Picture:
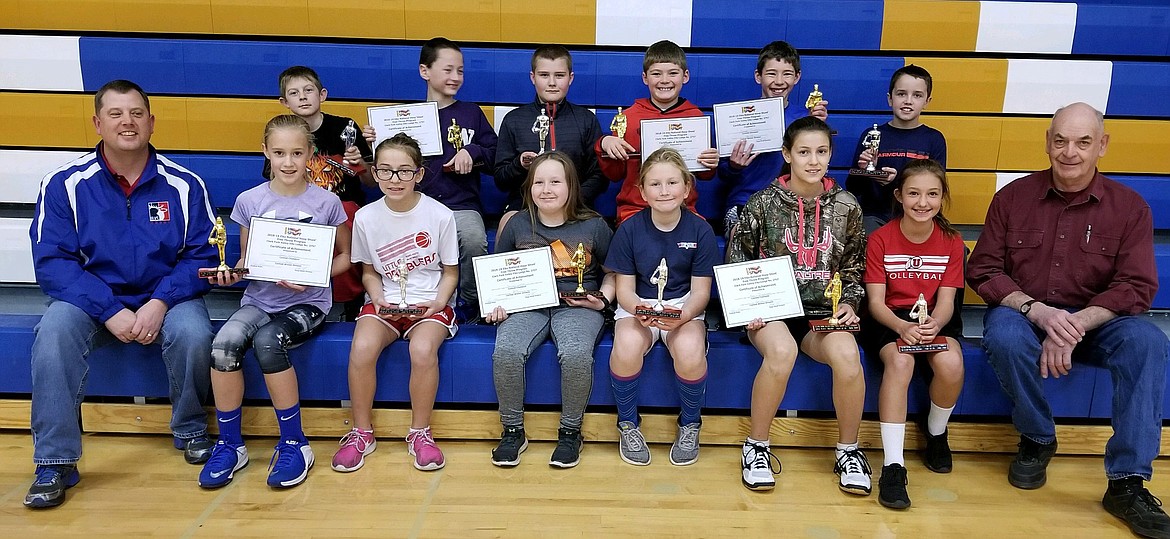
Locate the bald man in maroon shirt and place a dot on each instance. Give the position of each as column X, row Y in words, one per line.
column 1066, row 264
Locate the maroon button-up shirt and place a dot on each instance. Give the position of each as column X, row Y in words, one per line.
column 1095, row 248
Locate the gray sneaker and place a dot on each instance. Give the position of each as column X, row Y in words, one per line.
column 686, row 446
column 632, row 446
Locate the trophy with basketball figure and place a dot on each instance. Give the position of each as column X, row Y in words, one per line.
column 920, row 314
column 580, row 260
column 218, row 238
column 400, row 275
column 872, row 143
column 659, row 309
column 833, row 293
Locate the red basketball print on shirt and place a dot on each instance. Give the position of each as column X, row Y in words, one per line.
column 422, row 239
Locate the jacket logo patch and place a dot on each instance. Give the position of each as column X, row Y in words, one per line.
column 160, row 212
column 688, row 245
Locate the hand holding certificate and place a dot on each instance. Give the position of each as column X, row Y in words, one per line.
column 690, row 136
column 419, row 120
column 516, row 280
column 758, row 122
column 291, row 251
column 764, row 289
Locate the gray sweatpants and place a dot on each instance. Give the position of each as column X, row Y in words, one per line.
column 575, row 331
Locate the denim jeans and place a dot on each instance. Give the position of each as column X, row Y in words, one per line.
column 62, row 343
column 469, row 230
column 1134, row 351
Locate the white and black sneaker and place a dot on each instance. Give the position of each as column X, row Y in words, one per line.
column 759, row 465
column 854, row 470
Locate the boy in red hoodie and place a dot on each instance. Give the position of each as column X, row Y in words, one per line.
column 664, row 70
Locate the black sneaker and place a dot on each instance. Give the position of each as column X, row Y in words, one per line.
column 937, row 456
column 892, row 487
column 196, row 450
column 512, row 443
column 48, row 489
column 1030, row 468
column 568, row 451
column 1128, row 500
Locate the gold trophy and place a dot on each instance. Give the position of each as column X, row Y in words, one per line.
column 218, row 238
column 400, row 275
column 814, row 98
column 540, row 127
column 872, row 141
column 618, row 125
column 660, row 310
column 833, row 294
column 920, row 312
column 580, row 260
column 455, row 137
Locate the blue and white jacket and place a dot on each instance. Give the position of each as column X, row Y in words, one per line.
column 102, row 250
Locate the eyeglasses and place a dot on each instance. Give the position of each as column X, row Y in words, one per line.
column 404, row 175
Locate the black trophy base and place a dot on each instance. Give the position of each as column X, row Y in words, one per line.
column 825, row 326
column 939, row 344
column 666, row 312
column 877, row 174
column 581, row 295
column 409, row 310
column 212, row 272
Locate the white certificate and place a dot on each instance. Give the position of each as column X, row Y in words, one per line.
column 690, row 136
column 760, row 122
column 300, row 253
column 516, row 280
column 764, row 289
column 419, row 120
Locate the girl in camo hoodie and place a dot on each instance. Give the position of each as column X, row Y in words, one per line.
column 809, row 217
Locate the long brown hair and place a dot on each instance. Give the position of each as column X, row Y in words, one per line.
column 932, row 167
column 575, row 209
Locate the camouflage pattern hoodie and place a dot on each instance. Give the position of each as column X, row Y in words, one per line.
column 822, row 235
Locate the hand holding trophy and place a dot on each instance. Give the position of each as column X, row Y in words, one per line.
column 400, row 275
column 872, row 143
column 814, row 98
column 580, row 261
column 920, row 313
column 660, row 309
column 833, row 293
column 618, row 126
column 218, row 238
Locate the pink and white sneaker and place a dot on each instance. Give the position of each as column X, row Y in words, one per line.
column 355, row 445
column 421, row 445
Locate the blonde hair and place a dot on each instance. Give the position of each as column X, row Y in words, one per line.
column 289, row 121
column 668, row 156
column 575, row 208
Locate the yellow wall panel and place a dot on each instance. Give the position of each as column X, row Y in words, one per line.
column 459, row 20
column 930, row 25
column 170, row 123
column 63, row 14
column 359, row 18
column 263, row 17
column 972, row 142
column 186, row 16
column 971, row 193
column 969, row 295
column 567, row 22
column 46, row 120
column 1022, row 144
column 965, row 84
column 229, row 124
column 1137, row 146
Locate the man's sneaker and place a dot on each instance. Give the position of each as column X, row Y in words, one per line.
column 290, row 464
column 195, row 450
column 758, row 466
column 512, row 443
column 1129, row 500
column 48, row 489
column 632, row 445
column 686, row 445
column 937, row 456
column 226, row 459
column 355, row 445
column 892, row 487
column 421, row 446
column 1030, row 468
column 568, row 451
column 855, row 472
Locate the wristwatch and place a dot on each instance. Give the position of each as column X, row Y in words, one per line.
column 1026, row 307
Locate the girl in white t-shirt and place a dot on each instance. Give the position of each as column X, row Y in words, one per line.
column 407, row 246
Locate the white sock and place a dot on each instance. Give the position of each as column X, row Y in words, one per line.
column 764, row 443
column 841, row 448
column 936, row 420
column 893, row 436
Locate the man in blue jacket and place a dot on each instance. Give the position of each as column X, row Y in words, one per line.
column 117, row 241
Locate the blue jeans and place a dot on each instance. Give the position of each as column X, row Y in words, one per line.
column 63, row 340
column 1134, row 351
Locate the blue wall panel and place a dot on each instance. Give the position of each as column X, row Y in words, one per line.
column 843, row 25
column 1123, row 29
column 1135, row 87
